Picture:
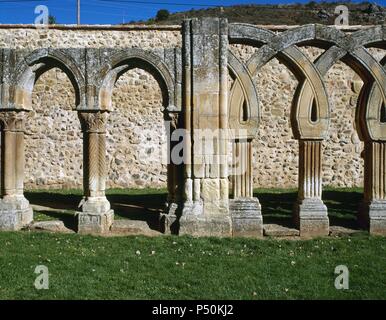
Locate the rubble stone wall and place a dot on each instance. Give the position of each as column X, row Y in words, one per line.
column 136, row 130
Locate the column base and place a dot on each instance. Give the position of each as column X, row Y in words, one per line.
column 96, row 216
column 195, row 223
column 247, row 220
column 169, row 220
column 372, row 216
column 15, row 213
column 311, row 218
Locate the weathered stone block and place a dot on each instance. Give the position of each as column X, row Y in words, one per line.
column 205, row 225
column 311, row 218
column 99, row 223
column 51, row 226
column 96, row 216
column 15, row 213
column 372, row 216
column 210, row 190
column 247, row 220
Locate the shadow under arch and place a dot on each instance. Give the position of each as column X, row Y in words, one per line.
column 146, row 207
column 28, row 72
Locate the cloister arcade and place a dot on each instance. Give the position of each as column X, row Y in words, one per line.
column 196, row 97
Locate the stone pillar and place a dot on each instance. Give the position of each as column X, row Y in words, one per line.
column 15, row 211
column 372, row 213
column 310, row 212
column 96, row 216
column 174, row 179
column 245, row 209
column 205, row 210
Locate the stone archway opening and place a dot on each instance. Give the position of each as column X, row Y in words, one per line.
column 343, row 162
column 275, row 148
column 53, row 152
column 136, row 150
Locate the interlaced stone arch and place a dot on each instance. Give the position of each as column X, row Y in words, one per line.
column 349, row 49
column 305, row 98
column 243, row 91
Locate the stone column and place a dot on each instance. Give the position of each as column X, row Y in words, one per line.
column 96, row 216
column 15, row 211
column 173, row 179
column 206, row 208
column 372, row 213
column 310, row 212
column 245, row 209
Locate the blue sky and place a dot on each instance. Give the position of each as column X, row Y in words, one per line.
column 110, row 11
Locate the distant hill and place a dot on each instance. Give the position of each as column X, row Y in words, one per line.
column 364, row 13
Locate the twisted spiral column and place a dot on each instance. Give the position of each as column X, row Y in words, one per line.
column 96, row 215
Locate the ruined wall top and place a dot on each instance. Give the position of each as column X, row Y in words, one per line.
column 173, row 27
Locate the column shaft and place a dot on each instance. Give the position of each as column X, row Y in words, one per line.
column 310, row 212
column 373, row 209
column 15, row 211
column 96, row 215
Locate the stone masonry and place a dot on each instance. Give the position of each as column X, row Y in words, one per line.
column 95, row 106
column 137, row 97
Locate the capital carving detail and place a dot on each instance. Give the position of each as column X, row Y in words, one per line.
column 13, row 120
column 93, row 122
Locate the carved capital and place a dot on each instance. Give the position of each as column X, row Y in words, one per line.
column 13, row 120
column 173, row 117
column 93, row 122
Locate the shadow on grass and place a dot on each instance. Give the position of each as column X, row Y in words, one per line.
column 68, row 219
column 277, row 207
column 55, row 200
column 342, row 205
column 143, row 207
column 132, row 206
column 147, row 205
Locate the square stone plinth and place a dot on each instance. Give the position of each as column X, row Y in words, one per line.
column 96, row 216
column 311, row 218
column 372, row 216
column 15, row 213
column 247, row 220
column 95, row 223
column 198, row 225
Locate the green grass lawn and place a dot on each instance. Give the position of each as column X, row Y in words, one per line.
column 86, row 267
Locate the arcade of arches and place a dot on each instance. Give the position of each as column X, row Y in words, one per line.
column 211, row 110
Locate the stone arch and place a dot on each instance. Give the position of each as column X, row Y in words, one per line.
column 311, row 92
column 136, row 58
column 39, row 62
column 243, row 91
column 310, row 112
column 370, row 102
column 350, row 49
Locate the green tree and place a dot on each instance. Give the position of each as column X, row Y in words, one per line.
column 162, row 15
column 311, row 4
column 51, row 19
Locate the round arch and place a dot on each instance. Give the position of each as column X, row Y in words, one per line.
column 136, row 58
column 36, row 64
